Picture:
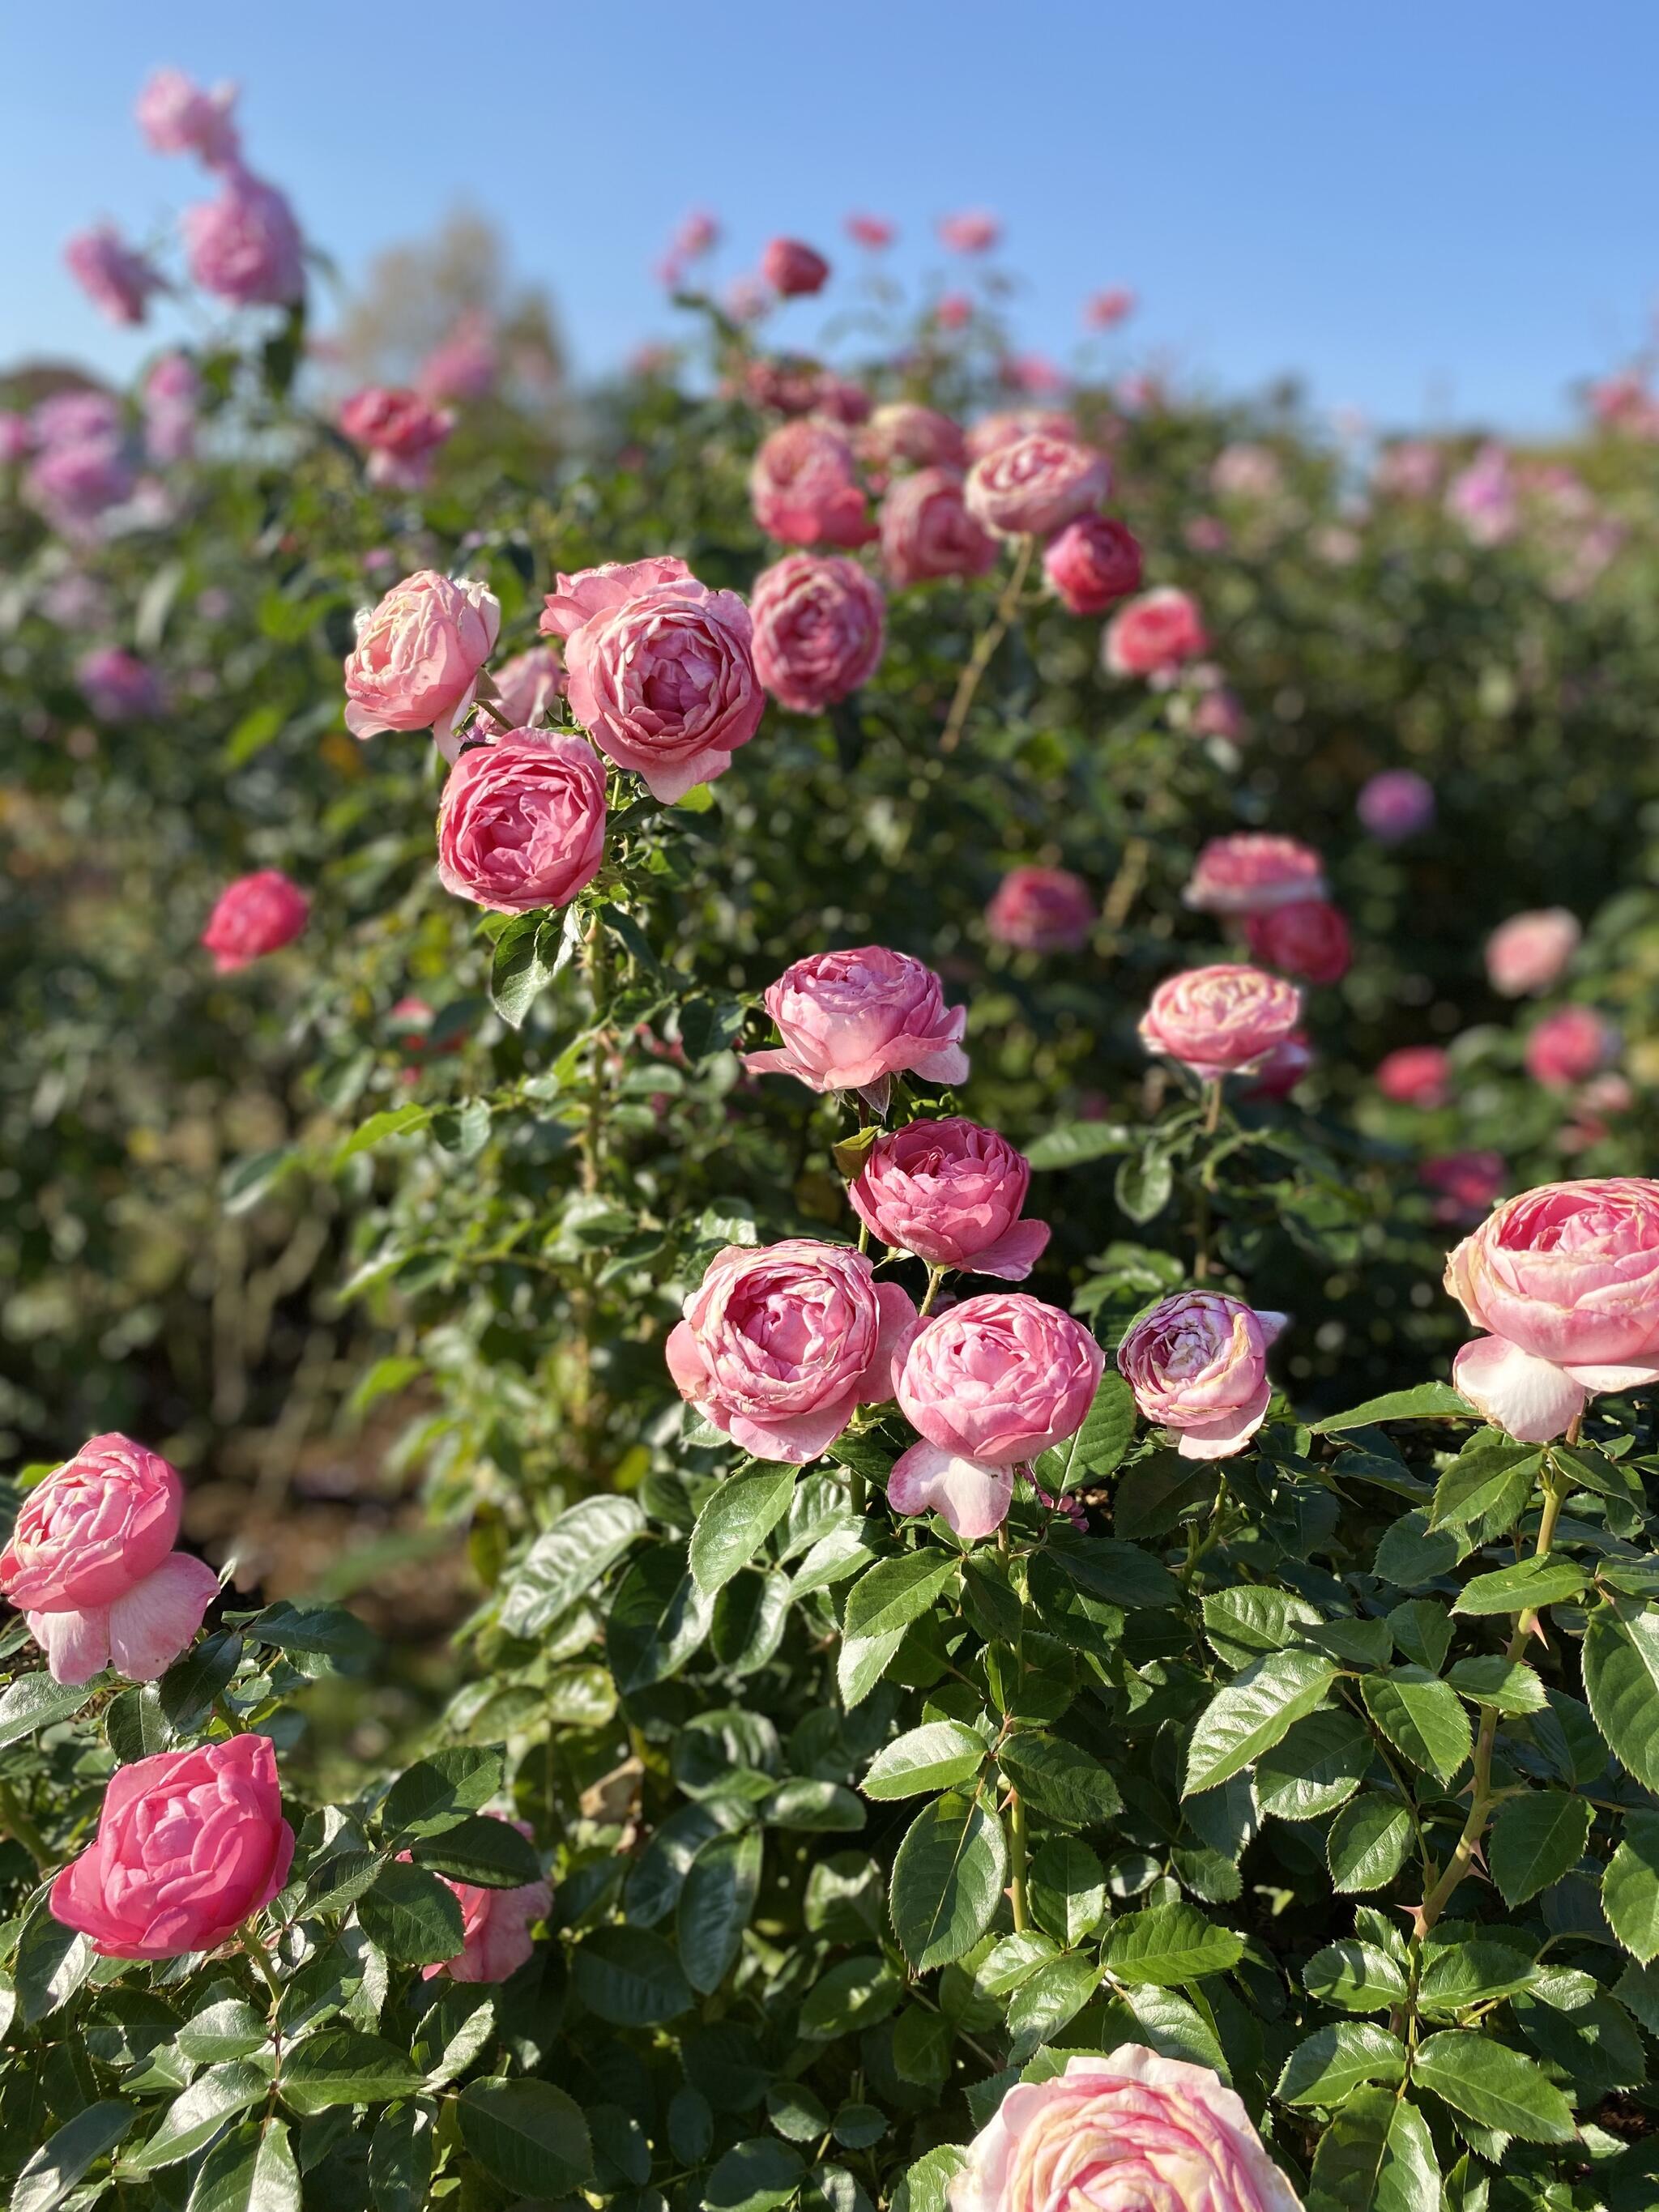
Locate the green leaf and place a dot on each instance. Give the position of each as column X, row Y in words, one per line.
column 1042, row 2006
column 528, row 2136
column 328, row 1630
column 1169, row 1944
column 1630, row 1888
column 658, row 1618
column 1074, row 1143
column 1356, row 1976
column 197, row 2116
column 1621, row 1682
column 344, row 2066
column 491, row 1854
column 931, row 1757
column 1068, row 1889
column 34, row 1702
column 740, row 1515
column 1535, row 1840
column 1318, row 1766
column 413, row 1918
column 1334, row 2061
column 1464, row 1971
column 567, row 1562
column 245, row 1182
column 51, row 1963
column 186, row 1692
column 1067, row 1784
column 948, row 1878
column 715, row 1902
column 1486, row 1488
column 1253, row 1714
column 1528, row 1584
column 394, row 1121
column 1493, row 2086
column 754, row 2176
column 1143, row 1183
column 400, row 2157
column 1099, row 1446
column 1113, row 1570
column 853, row 1995
column 54, row 2169
column 230, row 2029
column 1421, row 1717
column 812, row 1808
column 1507, row 1685
column 1411, row 1555
column 880, row 1606
column 523, row 965
column 252, row 2169
column 441, row 1790
column 1429, row 1401
column 1368, row 1842
column 1376, row 2155
column 1244, row 1622
column 629, row 1978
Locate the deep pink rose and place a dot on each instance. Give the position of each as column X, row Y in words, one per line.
column 1395, row 804
column 116, row 279
column 1307, row 938
column 189, row 1844
column 1416, row 1075
column 851, row 1021
column 1570, row 1046
column 871, row 230
column 391, row 420
column 1153, row 634
column 1220, row 1021
column 1093, row 562
column 951, row 1193
column 973, row 232
column 1465, row 1184
column 804, row 489
column 1104, row 311
column 178, row 117
column 117, row 685
column 1250, row 871
column 993, row 432
column 926, row 530
column 1036, row 486
column 246, row 246
column 415, row 664
column 521, row 822
column 256, row 914
column 1127, row 2132
column 660, row 669
column 782, row 1344
column 1526, row 953
column 1042, row 910
column 1197, row 1363
column 792, row 268
column 903, row 430
column 496, row 1923
column 1279, row 1073
column 1566, row 1280
column 820, row 624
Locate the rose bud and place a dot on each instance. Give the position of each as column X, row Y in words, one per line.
column 398, row 429
column 1281, row 1071
column 804, row 490
column 820, row 624
column 1153, row 634
column 793, row 269
column 246, row 246
column 1250, row 871
column 521, row 822
column 951, row 1193
column 1093, row 562
column 1036, row 486
column 1395, row 804
column 256, row 914
column 497, row 1923
column 874, row 231
column 415, row 664
column 1307, row 938
column 1530, row 951
column 974, row 233
column 851, row 1021
column 1416, row 1075
column 1569, row 1047
column 1220, row 1021
column 1197, row 1363
column 1042, row 910
column 926, row 530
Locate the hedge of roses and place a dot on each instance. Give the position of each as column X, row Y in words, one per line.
column 845, row 1040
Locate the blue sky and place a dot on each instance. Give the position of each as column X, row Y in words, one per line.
column 1439, row 213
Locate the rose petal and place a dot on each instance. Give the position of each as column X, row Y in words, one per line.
column 974, row 1498
column 154, row 1623
column 1532, row 1400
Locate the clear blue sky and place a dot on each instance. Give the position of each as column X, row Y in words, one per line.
column 1433, row 211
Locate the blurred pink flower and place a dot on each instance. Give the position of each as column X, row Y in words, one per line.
column 874, row 231
column 115, row 277
column 177, row 116
column 971, row 232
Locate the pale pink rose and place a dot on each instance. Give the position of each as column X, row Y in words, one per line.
column 927, row 531
column 391, row 421
column 415, row 664
column 1042, row 910
column 1036, row 486
column 1153, row 634
column 1566, row 1280
column 1220, row 1021
column 1093, row 562
column 1032, row 373
column 1252, row 871
column 1197, row 1363
column 521, row 822
column 694, row 235
column 951, row 1193
column 1127, row 2132
column 172, row 390
column 117, row 685
column 974, row 233
column 1217, row 712
column 1485, row 497
column 804, row 489
column 851, row 1021
column 792, row 268
column 462, row 366
column 1245, row 470
column 1104, row 311
column 660, row 669
column 1570, row 1046
column 993, row 432
column 75, row 418
column 117, row 279
column 1530, row 951
column 1395, row 804
column 189, row 1844
column 1466, row 1185
column 874, row 231
column 256, row 914
column 1416, row 1075
column 496, row 1923
column 782, row 1343
column 246, row 246
column 525, row 687
column 1307, row 938
column 820, row 625
column 903, row 430
column 1601, row 1097
column 1283, row 1068
column 180, row 117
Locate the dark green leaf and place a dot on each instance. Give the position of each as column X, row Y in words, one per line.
column 715, row 1902
column 413, row 1918
column 344, row 2066
column 932, row 1756
column 528, row 2136
column 948, row 1879
column 741, row 1513
column 48, row 2176
column 629, row 1978
column 1254, row 1713
column 1329, row 2064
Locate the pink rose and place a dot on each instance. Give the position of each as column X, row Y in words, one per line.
column 1566, row 1280
column 1251, row 871
column 172, row 390
column 256, row 914
column 851, row 1021
column 1307, row 938
column 1416, row 1075
column 1570, row 1046
column 1153, row 634
column 926, row 530
column 74, row 483
column 820, row 624
column 1395, row 804
column 1220, row 1021
column 804, row 489
column 1216, row 713
column 1197, row 1363
column 874, row 231
column 1409, row 469
column 117, row 280
column 1093, row 561
column 1282, row 1069
column 1127, row 2132
column 16, row 439
column 951, row 1193
column 1042, row 910
column 117, row 686
column 178, row 117
column 1465, row 1184
column 415, row 664
column 525, row 687
column 903, row 430
column 1526, row 953
column 661, row 670
column 246, row 246
column 1104, row 311
column 974, row 233
column 953, row 311
column 782, row 1344
column 462, row 366
column 521, row 822
column 993, row 432
column 496, row 1922
column 1036, row 486
column 189, row 1844
column 792, row 268
column 391, row 420
column 1485, row 497
column 1245, row 470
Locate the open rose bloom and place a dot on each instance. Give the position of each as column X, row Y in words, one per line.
column 1570, row 1046
column 246, row 246
column 804, row 489
column 256, row 914
column 852, row 1021
column 792, row 269
column 114, row 276
column 1042, row 910
column 1126, row 2132
column 415, row 663
column 1036, row 486
column 497, row 1924
column 951, row 1193
column 1197, row 1364
column 1417, row 1075
column 1252, row 871
column 1526, row 953
column 521, row 823
column 1307, row 938
column 903, row 430
column 1153, row 634
column 927, row 531
column 1566, row 1280
column 820, row 624
column 1220, row 1021
column 1093, row 562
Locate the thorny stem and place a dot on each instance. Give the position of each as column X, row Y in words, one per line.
column 597, row 964
column 1017, row 1861
column 253, row 1944
column 985, row 646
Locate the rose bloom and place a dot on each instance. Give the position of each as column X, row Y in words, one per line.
column 1036, row 486
column 660, row 669
column 1395, row 804
column 1416, row 1075
column 792, row 268
column 178, row 117
column 782, row 1344
column 246, row 246
column 415, row 664
column 803, row 488
column 1127, row 2132
column 1282, row 1069
column 496, row 1922
column 1566, row 1280
column 1104, row 311
column 1007, row 427
column 1093, row 561
column 820, row 624
column 954, row 310
column 851, row 1021
column 1467, row 1184
column 526, row 688
column 871, row 230
column 16, row 436
column 172, row 393
column 462, row 366
column 1570, row 1046
column 1217, row 712
column 951, row 1193
column 1252, row 871
column 1220, row 1021
column 975, row 233
column 990, row 1383
column 902, row 430
column 1153, row 634
column 1246, row 472
column 117, row 280
column 1042, row 910
column 1307, row 938
column 256, row 914
column 91, row 1566
column 521, row 822
column 1197, row 1363
column 189, row 1844
column 1526, row 953
column 392, row 420
column 926, row 530
column 1603, row 1096
column 117, row 686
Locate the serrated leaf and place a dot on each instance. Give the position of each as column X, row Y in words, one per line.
column 1486, row 1488
column 629, row 1978
column 1063, row 1783
column 1535, row 1840
column 195, row 2117
column 1428, row 1401
column 1376, row 2155
column 252, row 2169
column 1621, row 1682
column 523, row 964
column 1368, row 1842
column 526, row 2134
column 1042, row 2006
column 853, row 1994
column 53, row 2170
column 932, row 1756
column 715, row 1902
column 1334, row 2062
column 1316, row 1768
column 34, row 1702
column 741, row 1513
column 948, row 1878
column 753, row 2176
column 489, row 1853
column 1493, row 2086
column 1421, row 1717
column 413, row 1917
column 1508, row 1685
column 1355, row 1975
column 1099, row 1446
column 1253, row 1714
column 441, row 1790
column 1170, row 1944
column 658, row 1618
column 1521, row 1589
column 344, row 2066
column 1630, row 1887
